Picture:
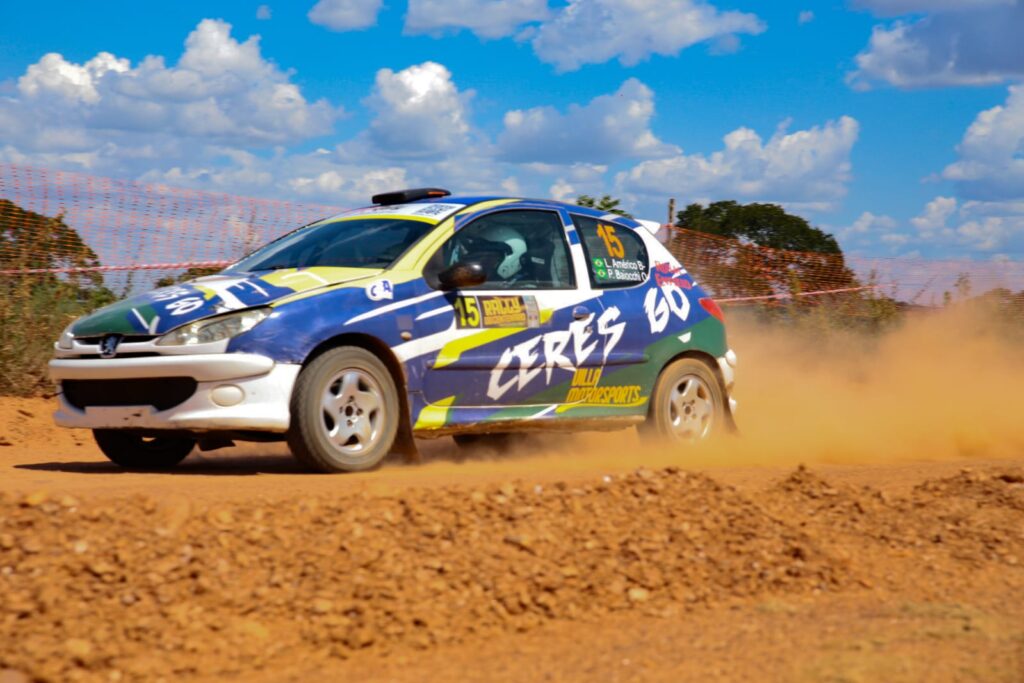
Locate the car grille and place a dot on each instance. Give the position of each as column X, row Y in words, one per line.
column 125, row 339
column 161, row 393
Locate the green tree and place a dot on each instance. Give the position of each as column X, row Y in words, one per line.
column 190, row 274
column 607, row 203
column 35, row 307
column 766, row 225
column 758, row 250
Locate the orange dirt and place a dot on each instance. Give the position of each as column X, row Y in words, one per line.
column 241, row 567
column 896, row 555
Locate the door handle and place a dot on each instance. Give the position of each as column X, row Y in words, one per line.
column 580, row 313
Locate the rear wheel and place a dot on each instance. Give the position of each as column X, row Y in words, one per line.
column 688, row 404
column 345, row 412
column 137, row 452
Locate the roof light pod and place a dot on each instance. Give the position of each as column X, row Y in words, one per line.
column 406, row 196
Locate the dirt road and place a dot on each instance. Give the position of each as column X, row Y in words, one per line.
column 588, row 559
column 897, row 554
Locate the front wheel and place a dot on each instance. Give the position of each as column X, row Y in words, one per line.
column 688, row 404
column 137, row 452
column 344, row 412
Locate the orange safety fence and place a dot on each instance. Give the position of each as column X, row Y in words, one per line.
column 127, row 235
column 60, row 222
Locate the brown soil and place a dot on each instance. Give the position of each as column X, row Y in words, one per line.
column 581, row 566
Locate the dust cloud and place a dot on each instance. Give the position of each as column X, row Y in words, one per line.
column 938, row 386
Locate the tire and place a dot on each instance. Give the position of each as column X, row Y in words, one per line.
column 344, row 412
column 687, row 405
column 135, row 452
column 499, row 442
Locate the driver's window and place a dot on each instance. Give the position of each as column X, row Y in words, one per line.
column 518, row 250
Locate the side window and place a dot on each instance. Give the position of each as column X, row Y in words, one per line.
column 616, row 257
column 521, row 249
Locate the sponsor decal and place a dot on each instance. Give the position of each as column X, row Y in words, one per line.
column 380, row 290
column 168, row 293
column 619, row 270
column 666, row 273
column 667, row 299
column 437, row 210
column 565, row 349
column 614, row 266
column 496, row 311
column 585, row 389
column 186, row 305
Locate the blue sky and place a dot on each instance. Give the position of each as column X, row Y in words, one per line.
column 896, row 124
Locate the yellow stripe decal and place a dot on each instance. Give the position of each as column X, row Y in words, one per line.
column 483, row 206
column 434, row 415
column 635, row 404
column 393, row 216
column 453, row 350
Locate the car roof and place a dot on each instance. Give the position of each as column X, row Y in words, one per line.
column 532, row 203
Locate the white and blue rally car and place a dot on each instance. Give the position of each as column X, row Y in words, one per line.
column 423, row 315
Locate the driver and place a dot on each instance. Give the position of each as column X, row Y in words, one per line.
column 498, row 247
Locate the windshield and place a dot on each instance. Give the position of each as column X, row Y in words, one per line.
column 354, row 243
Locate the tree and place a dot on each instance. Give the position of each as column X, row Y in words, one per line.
column 758, row 250
column 607, row 203
column 766, row 225
column 190, row 274
column 35, row 307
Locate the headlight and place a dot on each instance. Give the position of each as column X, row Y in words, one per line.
column 214, row 329
column 67, row 340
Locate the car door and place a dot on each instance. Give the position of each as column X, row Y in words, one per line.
column 521, row 337
column 618, row 267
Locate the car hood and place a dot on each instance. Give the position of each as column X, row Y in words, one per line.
column 164, row 309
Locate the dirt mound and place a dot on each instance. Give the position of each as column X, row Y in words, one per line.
column 173, row 588
column 1001, row 488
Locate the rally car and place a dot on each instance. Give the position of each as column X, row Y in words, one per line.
column 423, row 315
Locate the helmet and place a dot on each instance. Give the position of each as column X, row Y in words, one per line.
column 511, row 264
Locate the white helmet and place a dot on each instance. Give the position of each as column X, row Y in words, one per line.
column 512, row 263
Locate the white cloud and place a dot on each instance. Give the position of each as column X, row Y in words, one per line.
column 419, row 112
column 485, row 18
column 345, row 15
column 971, row 228
column 562, row 191
column 868, row 223
column 935, row 217
column 352, row 184
column 806, row 167
column 805, row 17
column 607, row 129
column 263, row 12
column 961, row 43
column 221, row 91
column 870, row 230
column 596, row 31
column 991, row 154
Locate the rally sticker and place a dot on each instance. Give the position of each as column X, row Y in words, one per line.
column 380, row 290
column 497, row 311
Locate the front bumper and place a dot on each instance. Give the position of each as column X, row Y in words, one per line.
column 233, row 392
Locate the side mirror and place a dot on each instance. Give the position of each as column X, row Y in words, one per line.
column 462, row 274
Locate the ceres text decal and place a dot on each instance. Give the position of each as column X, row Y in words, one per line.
column 566, row 349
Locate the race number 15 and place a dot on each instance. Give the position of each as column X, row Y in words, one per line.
column 468, row 311
column 612, row 244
